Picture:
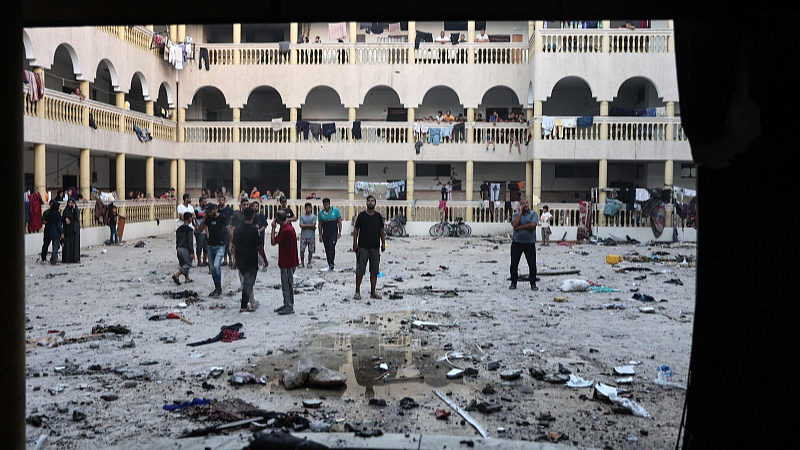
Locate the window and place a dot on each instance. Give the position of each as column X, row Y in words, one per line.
column 340, row 169
column 688, row 171
column 576, row 170
column 462, row 26
column 433, row 170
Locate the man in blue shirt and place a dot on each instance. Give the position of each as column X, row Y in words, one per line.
column 523, row 241
column 330, row 229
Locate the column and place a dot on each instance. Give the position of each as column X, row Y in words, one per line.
column 669, row 174
column 39, row 170
column 604, row 126
column 470, row 39
column 351, row 116
column 173, row 32
column 411, row 120
column 537, row 126
column 173, row 173
column 40, row 106
column 149, row 183
column 529, row 183
column 85, row 109
column 605, row 42
column 237, row 181
column 293, row 188
column 410, row 168
column 149, row 107
column 237, row 39
column 119, row 98
column 121, row 180
column 181, row 188
column 671, row 43
column 671, row 127
column 602, row 182
column 470, row 120
column 181, row 37
column 293, row 130
column 85, row 178
column 237, row 114
column 412, row 33
column 351, row 181
column 536, row 189
column 468, row 187
column 292, row 39
column 180, row 135
column 538, row 39
column 351, row 35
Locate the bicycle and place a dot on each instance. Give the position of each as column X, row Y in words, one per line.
column 397, row 227
column 444, row 228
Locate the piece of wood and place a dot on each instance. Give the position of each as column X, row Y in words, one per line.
column 463, row 414
column 560, row 272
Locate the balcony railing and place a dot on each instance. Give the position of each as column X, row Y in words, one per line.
column 605, row 41
column 641, row 129
column 135, row 211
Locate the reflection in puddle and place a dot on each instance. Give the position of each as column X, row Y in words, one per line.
column 357, row 347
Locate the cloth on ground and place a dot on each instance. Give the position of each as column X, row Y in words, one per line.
column 228, row 333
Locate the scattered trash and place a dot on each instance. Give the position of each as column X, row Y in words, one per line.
column 609, row 393
column 647, row 310
column 625, row 370
column 578, row 382
column 312, row 403
column 442, row 414
column 228, row 333
column 559, row 299
column 463, row 414
column 574, row 285
column 455, row 373
column 509, row 375
column 241, row 378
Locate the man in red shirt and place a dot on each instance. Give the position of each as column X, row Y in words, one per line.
column 286, row 240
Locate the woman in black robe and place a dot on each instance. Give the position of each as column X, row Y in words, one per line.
column 71, row 218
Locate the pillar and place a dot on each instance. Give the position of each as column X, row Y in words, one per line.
column 237, row 39
column 529, row 183
column 351, row 116
column 292, row 38
column 39, row 170
column 181, row 36
column 85, row 109
column 537, row 126
column 605, row 40
column 293, row 188
column 119, row 101
column 173, row 32
column 121, row 180
column 237, row 114
column 538, row 39
column 604, row 125
column 149, row 108
column 351, row 181
column 670, row 106
column 411, row 120
column 173, row 173
column 85, row 178
column 180, row 135
column 468, row 188
column 410, row 168
column 237, row 180
column 412, row 32
column 293, row 130
column 470, row 39
column 602, row 182
column 471, row 120
column 536, row 189
column 669, row 174
column 40, row 106
column 671, row 43
column 180, row 189
column 149, row 183
column 351, row 35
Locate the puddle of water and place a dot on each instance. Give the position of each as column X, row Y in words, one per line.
column 366, row 342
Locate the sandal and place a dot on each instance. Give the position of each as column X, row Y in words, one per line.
column 188, row 281
column 375, row 296
column 176, row 280
column 357, row 296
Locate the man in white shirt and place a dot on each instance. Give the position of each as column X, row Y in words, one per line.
column 544, row 224
column 482, row 37
column 186, row 206
column 442, row 39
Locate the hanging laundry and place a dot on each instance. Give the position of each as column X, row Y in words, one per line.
column 548, row 123
column 316, row 130
column 422, row 36
column 337, row 31
column 357, row 130
column 328, row 130
column 447, row 132
column 585, row 121
column 394, row 28
column 434, row 135
column 303, row 126
column 277, row 124
column 570, row 122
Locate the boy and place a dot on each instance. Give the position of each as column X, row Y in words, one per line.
column 286, row 240
column 308, row 223
column 544, row 223
column 184, row 245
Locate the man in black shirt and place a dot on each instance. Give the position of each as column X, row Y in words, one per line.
column 216, row 227
column 184, row 246
column 290, row 216
column 369, row 240
column 246, row 248
column 224, row 209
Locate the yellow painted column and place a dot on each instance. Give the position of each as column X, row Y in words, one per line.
column 181, row 188
column 181, row 37
column 149, row 183
column 669, row 174
column 121, row 180
column 40, row 106
column 529, row 182
column 237, row 39
column 471, row 121
column 173, row 173
column 602, row 182
column 537, row 126
column 538, row 40
column 180, row 136
column 670, row 128
column 85, row 109
column 410, row 169
column 536, row 189
column 351, row 116
column 237, row 180
column 173, row 32
column 39, row 170
column 605, row 40
column 293, row 191
column 411, row 120
column 351, row 181
column 470, row 39
column 292, row 38
column 468, row 187
column 412, row 33
column 604, row 126
column 149, row 107
column 671, row 43
column 85, row 178
column 351, row 35
column 119, row 98
column 293, row 130
column 237, row 113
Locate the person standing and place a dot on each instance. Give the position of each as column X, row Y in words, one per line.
column 71, row 253
column 260, row 222
column 246, row 247
column 544, row 223
column 369, row 240
column 237, row 219
column 184, row 247
column 216, row 225
column 308, row 223
column 201, row 237
column 523, row 241
column 46, row 234
column 184, row 207
column 113, row 216
column 330, row 230
column 225, row 210
column 290, row 216
column 286, row 240
column 56, row 230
